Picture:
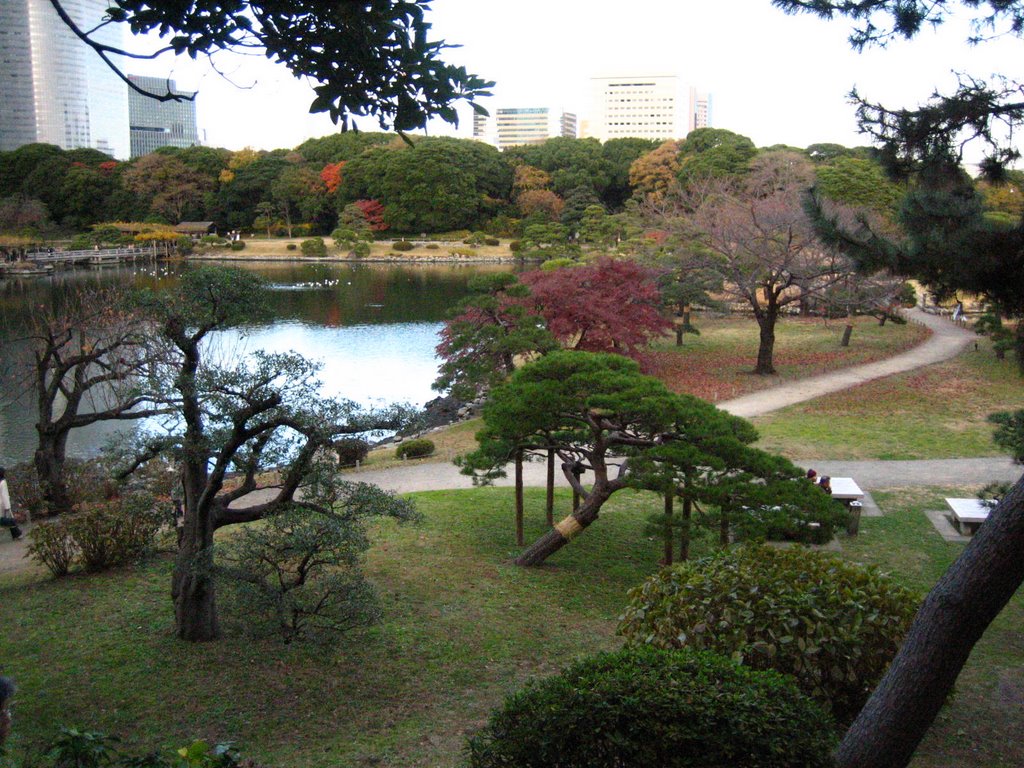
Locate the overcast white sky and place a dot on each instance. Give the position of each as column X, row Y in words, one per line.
column 774, row 78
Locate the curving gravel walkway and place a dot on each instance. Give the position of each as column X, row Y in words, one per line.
column 946, row 341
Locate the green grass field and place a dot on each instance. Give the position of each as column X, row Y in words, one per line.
column 936, row 412
column 462, row 628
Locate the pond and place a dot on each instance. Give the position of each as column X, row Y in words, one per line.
column 373, row 328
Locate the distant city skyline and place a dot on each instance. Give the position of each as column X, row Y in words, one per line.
column 774, row 78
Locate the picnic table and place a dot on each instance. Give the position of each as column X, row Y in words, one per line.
column 846, row 490
column 968, row 513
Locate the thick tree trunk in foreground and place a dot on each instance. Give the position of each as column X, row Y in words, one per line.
column 951, row 620
column 192, row 586
column 566, row 530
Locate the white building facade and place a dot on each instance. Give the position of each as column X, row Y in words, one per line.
column 700, row 110
column 635, row 106
column 54, row 89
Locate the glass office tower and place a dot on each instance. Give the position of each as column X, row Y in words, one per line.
column 54, row 89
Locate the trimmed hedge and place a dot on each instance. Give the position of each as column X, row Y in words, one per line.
column 314, row 247
column 403, row 245
column 833, row 625
column 350, row 450
column 414, row 449
column 647, row 708
column 237, row 245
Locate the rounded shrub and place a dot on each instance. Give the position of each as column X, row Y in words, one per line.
column 291, row 247
column 314, row 248
column 648, row 708
column 237, row 245
column 403, row 245
column 832, row 625
column 515, row 245
column 432, row 246
column 415, row 449
column 361, row 250
column 350, row 450
column 492, row 241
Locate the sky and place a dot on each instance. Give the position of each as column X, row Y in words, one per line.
column 775, row 78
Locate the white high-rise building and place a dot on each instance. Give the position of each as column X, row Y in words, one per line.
column 700, row 110
column 54, row 89
column 531, row 125
column 640, row 106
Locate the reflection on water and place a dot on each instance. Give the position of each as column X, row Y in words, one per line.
column 372, row 327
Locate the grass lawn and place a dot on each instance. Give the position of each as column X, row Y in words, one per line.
column 717, row 364
column 463, row 627
column 936, row 412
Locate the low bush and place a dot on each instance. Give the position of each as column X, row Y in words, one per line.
column 832, row 625
column 74, row 748
column 415, row 449
column 51, row 545
column 291, row 247
column 403, row 245
column 237, row 245
column 462, row 252
column 212, row 240
column 343, row 234
column 492, row 241
column 432, row 246
column 114, row 533
column 515, row 245
column 183, row 245
column 350, row 450
column 907, row 295
column 314, row 248
column 648, row 708
column 361, row 250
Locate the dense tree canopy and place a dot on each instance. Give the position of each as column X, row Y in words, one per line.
column 370, row 58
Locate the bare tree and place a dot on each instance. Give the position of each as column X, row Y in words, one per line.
column 88, row 357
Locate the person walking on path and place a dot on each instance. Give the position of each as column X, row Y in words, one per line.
column 6, row 512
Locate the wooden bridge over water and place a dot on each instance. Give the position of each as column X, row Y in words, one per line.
column 44, row 262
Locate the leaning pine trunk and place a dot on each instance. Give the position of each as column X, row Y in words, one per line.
column 566, row 530
column 953, row 617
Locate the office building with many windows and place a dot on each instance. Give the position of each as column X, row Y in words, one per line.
column 531, row 125
column 700, row 110
column 156, row 123
column 54, row 89
column 636, row 106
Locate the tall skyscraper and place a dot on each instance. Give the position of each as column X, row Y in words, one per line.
column 53, row 88
column 532, row 125
column 700, row 110
column 156, row 123
column 640, row 106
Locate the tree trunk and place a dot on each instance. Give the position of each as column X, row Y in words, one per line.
column 550, row 501
column 766, row 347
column 684, row 531
column 951, row 620
column 847, row 333
column 192, row 588
column 565, row 531
column 519, row 498
column 669, row 510
column 49, row 463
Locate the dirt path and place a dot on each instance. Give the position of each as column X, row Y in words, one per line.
column 946, row 341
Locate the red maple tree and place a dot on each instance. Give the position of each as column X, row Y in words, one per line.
column 608, row 306
column 331, row 176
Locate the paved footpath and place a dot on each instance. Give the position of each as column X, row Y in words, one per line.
column 946, row 341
